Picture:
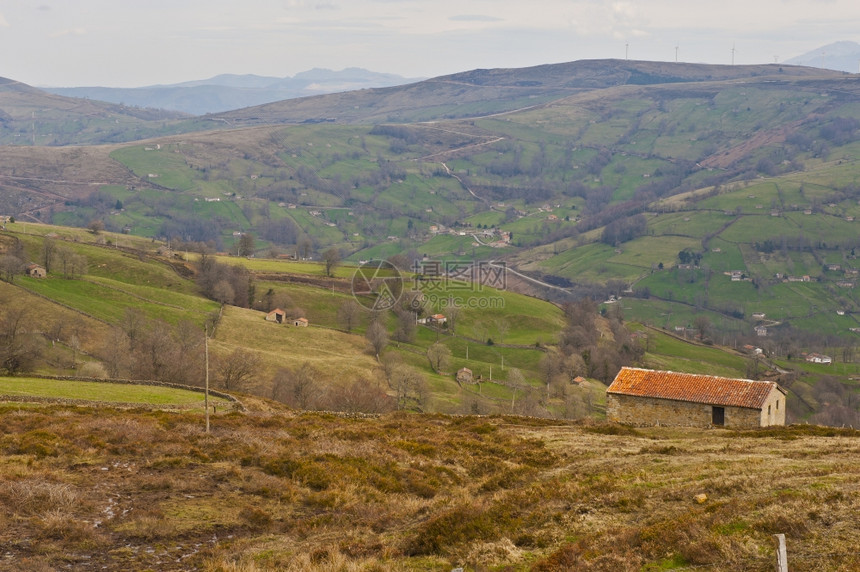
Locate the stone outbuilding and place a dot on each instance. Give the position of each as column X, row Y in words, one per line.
column 277, row 315
column 301, row 322
column 464, row 375
column 35, row 271
column 648, row 397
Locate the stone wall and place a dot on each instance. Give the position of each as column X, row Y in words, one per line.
column 773, row 411
column 651, row 411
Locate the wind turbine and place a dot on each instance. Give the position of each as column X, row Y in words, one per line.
column 676, row 53
column 733, row 53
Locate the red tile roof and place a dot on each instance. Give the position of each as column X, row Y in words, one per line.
column 693, row 387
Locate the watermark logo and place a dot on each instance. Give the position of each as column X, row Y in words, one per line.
column 451, row 276
column 377, row 285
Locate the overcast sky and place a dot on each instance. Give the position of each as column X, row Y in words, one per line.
column 125, row 43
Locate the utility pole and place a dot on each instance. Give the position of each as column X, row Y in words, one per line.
column 206, row 392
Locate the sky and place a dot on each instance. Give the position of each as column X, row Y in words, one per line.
column 125, row 43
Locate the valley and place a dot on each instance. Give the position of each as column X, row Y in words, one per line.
column 410, row 301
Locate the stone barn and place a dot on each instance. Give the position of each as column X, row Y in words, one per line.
column 276, row 315
column 649, row 397
column 35, row 271
column 464, row 375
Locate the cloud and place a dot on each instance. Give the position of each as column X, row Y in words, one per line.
column 474, row 18
column 3, row 22
column 69, row 32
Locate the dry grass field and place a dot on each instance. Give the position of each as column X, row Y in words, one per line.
column 274, row 489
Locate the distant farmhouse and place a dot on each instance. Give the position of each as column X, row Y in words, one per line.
column 819, row 358
column 35, row 271
column 464, row 375
column 648, row 397
column 276, row 315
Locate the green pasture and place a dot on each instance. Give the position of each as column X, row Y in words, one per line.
column 598, row 262
column 191, row 302
column 170, row 167
column 825, row 228
column 694, row 224
column 723, row 256
column 271, row 265
column 480, row 355
column 487, row 312
column 319, row 305
column 666, row 315
column 115, row 264
column 648, row 252
column 665, row 351
column 106, row 303
column 100, row 391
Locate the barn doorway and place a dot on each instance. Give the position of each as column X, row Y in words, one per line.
column 718, row 416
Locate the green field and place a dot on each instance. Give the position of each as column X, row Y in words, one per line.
column 106, row 392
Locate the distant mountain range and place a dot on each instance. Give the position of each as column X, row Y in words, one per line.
column 228, row 91
column 841, row 56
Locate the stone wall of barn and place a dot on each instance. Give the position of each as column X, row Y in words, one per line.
column 652, row 411
column 773, row 410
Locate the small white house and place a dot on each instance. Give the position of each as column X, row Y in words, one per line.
column 819, row 358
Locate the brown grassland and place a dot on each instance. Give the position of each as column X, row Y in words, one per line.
column 274, row 489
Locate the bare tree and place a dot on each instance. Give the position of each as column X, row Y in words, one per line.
column 516, row 382
column 133, row 324
column 237, row 368
column 361, row 396
column 348, row 314
column 703, row 324
column 49, row 247
column 96, row 226
column 297, row 387
column 247, row 244
column 453, row 313
column 573, row 366
column 72, row 264
column 19, row 348
column 115, row 352
column 502, row 328
column 223, row 292
column 305, row 245
column 409, row 385
column 377, row 335
column 406, row 326
column 439, row 356
column 331, row 258
column 10, row 266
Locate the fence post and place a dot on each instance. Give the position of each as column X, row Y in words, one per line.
column 781, row 555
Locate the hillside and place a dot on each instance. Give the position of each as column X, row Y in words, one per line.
column 123, row 307
column 487, row 92
column 127, row 307
column 227, row 92
column 32, row 117
column 844, row 56
column 598, row 179
column 278, row 490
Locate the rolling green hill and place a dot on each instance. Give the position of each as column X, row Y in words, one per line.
column 597, row 186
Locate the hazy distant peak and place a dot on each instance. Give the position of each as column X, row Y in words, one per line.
column 842, row 56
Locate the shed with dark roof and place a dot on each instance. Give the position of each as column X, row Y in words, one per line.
column 650, row 397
